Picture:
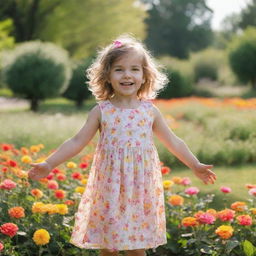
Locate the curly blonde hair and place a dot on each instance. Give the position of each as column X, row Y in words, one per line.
column 98, row 72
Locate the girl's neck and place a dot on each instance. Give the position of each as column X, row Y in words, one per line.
column 125, row 102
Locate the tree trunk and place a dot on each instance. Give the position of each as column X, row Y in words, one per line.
column 34, row 103
column 79, row 104
column 254, row 83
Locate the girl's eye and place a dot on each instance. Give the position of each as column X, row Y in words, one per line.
column 135, row 69
column 118, row 69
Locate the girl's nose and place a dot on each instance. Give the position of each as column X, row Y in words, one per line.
column 127, row 73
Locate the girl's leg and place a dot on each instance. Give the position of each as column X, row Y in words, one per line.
column 105, row 252
column 140, row 252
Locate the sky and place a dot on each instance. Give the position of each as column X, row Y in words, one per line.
column 222, row 8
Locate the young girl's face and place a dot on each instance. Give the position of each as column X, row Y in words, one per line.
column 126, row 74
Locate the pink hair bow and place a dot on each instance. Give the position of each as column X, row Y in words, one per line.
column 117, row 44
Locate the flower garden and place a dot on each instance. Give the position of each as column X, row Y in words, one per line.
column 37, row 216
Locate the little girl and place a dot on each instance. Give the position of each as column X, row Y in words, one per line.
column 122, row 208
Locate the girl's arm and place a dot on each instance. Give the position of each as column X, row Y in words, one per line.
column 70, row 147
column 179, row 148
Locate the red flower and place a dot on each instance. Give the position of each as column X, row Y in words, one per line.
column 61, row 176
column 165, row 170
column 244, row 220
column 9, row 229
column 8, row 184
column 6, row 147
column 50, row 176
column 12, row 163
column 77, row 176
column 60, row 194
column 1, row 247
column 69, row 202
column 56, row 171
column 4, row 169
column 83, row 165
column 52, row 184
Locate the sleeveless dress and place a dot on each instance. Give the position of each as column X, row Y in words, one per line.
column 122, row 207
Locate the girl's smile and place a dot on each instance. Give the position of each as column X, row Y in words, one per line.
column 126, row 74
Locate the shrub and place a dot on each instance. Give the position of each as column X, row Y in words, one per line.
column 37, row 71
column 178, row 86
column 77, row 89
column 242, row 56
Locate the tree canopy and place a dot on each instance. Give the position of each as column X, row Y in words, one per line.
column 79, row 26
column 177, row 27
column 248, row 15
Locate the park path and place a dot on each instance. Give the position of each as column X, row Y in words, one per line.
column 12, row 103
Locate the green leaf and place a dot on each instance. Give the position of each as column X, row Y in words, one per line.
column 168, row 235
column 30, row 198
column 248, row 248
column 231, row 244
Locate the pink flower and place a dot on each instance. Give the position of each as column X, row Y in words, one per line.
column 226, row 215
column 252, row 192
column 186, row 181
column 225, row 190
column 9, row 229
column 8, row 184
column 244, row 220
column 192, row 191
column 1, row 247
column 52, row 184
column 206, row 218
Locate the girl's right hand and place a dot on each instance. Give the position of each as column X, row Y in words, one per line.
column 39, row 171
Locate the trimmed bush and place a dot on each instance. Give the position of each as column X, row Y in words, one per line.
column 77, row 89
column 178, row 86
column 37, row 71
column 242, row 56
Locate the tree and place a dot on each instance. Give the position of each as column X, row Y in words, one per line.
column 242, row 56
column 37, row 71
column 78, row 26
column 177, row 27
column 248, row 15
column 6, row 41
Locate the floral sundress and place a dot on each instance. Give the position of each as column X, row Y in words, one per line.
column 122, row 207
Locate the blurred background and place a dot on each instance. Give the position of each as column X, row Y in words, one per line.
column 207, row 46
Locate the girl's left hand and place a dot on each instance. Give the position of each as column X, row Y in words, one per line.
column 204, row 173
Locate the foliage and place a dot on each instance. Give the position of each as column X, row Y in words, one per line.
column 248, row 17
column 77, row 89
column 242, row 56
column 185, row 26
column 6, row 41
column 178, row 86
column 79, row 26
column 207, row 64
column 37, row 70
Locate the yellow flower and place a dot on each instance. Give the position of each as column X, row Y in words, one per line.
column 63, row 209
column 79, row 190
column 26, row 159
column 40, row 160
column 41, row 237
column 41, row 146
column 84, row 181
column 71, row 165
column 51, row 208
column 38, row 207
column 35, row 149
column 167, row 184
column 22, row 174
column 189, row 222
column 253, row 210
column 224, row 231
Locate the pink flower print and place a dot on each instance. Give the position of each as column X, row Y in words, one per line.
column 112, row 221
column 145, row 225
column 135, row 217
column 128, row 143
column 113, row 130
column 117, row 120
column 102, row 218
column 114, row 141
column 139, row 158
column 115, row 235
column 106, row 205
column 131, row 117
column 143, row 135
column 132, row 238
column 138, row 143
column 105, row 229
column 122, row 208
column 104, row 124
column 129, row 133
column 109, row 180
column 141, row 238
column 142, row 122
column 126, row 226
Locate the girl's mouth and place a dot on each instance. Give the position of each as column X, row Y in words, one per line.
column 126, row 84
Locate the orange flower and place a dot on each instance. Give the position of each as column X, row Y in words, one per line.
column 69, row 202
column 60, row 194
column 189, row 222
column 36, row 193
column 35, row 148
column 176, row 200
column 177, row 180
column 24, row 151
column 165, row 170
column 226, row 215
column 239, row 206
column 253, row 211
column 224, row 231
column 16, row 212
